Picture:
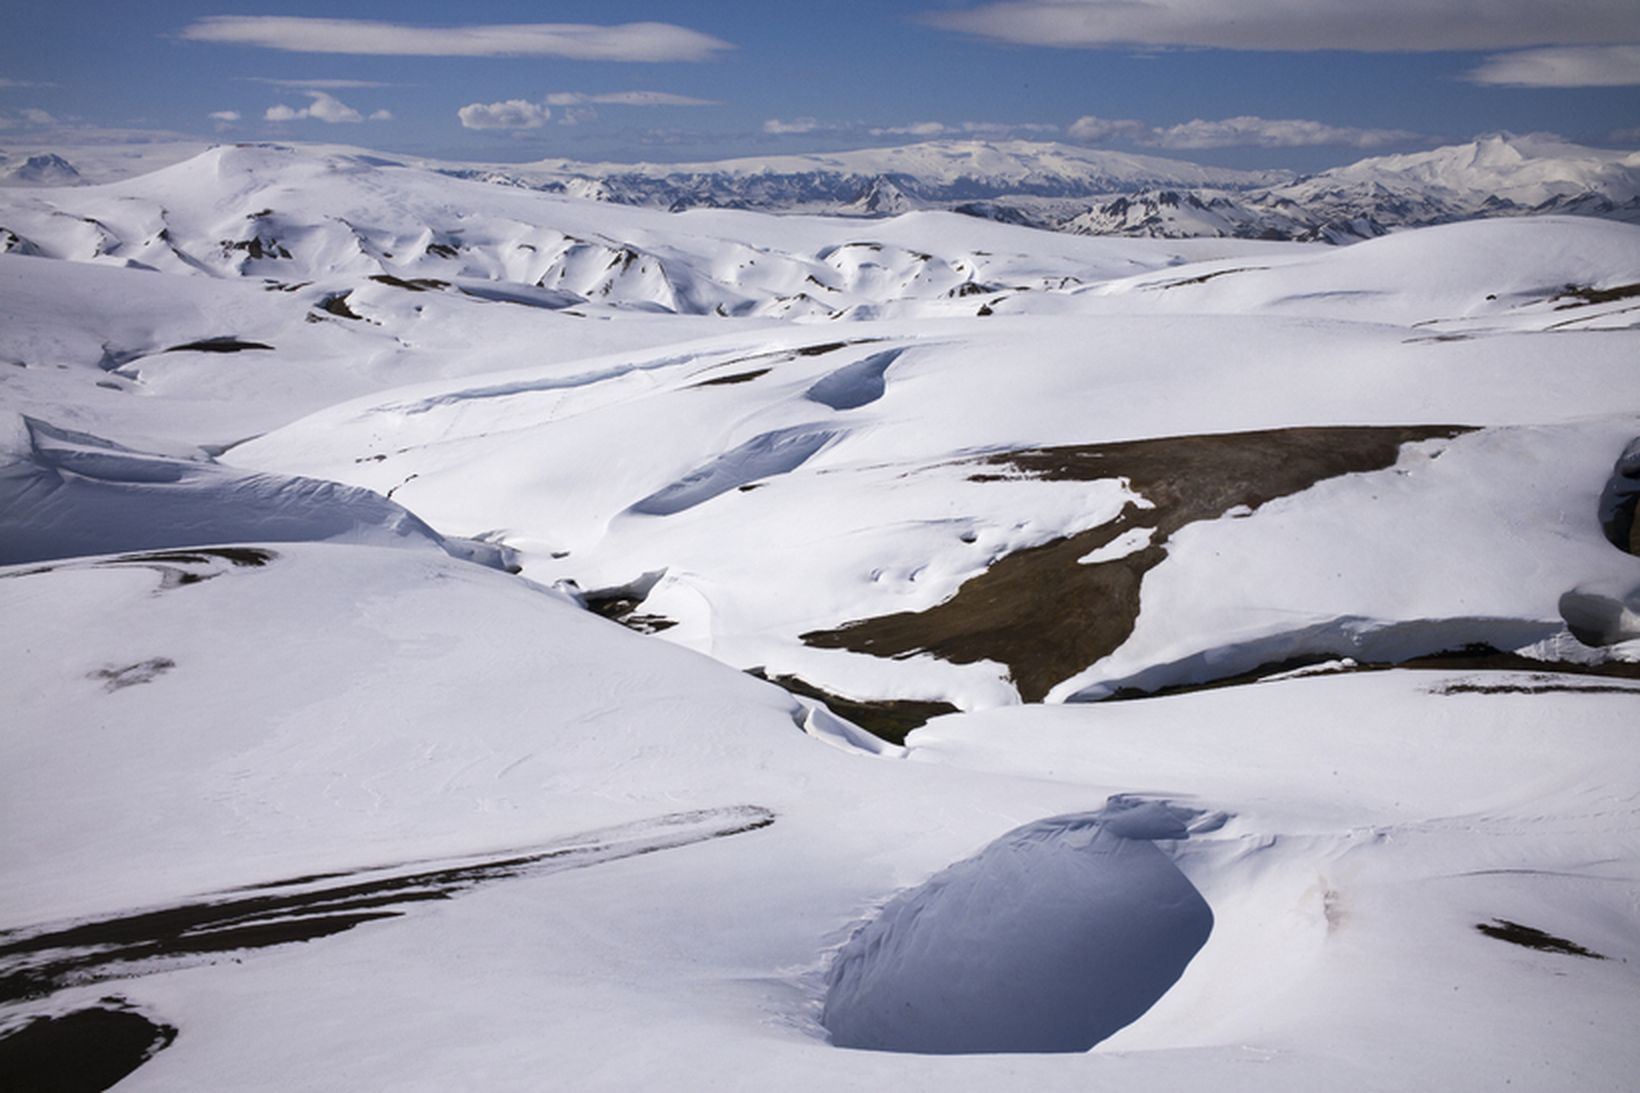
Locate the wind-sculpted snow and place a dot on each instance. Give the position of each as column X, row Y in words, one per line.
column 1050, row 939
column 854, row 385
column 65, row 494
column 1341, row 642
column 779, row 452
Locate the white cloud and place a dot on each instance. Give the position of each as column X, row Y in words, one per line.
column 323, row 107
column 626, row 98
column 1092, row 130
column 781, row 127
column 1382, row 25
column 35, row 116
column 318, row 85
column 575, row 41
column 1567, row 66
column 24, row 83
column 1244, row 131
column 511, row 114
column 228, row 116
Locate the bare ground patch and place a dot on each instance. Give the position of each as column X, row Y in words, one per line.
column 1046, row 615
column 887, row 719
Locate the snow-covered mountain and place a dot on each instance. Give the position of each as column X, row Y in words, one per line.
column 1097, row 192
column 879, row 180
column 1057, row 187
column 47, row 169
column 1493, row 176
column 464, row 635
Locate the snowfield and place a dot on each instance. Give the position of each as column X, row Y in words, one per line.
column 1049, row 661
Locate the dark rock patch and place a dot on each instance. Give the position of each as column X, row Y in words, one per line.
column 337, row 305
column 86, row 1051
column 411, row 284
column 620, row 603
column 1581, row 296
column 132, row 675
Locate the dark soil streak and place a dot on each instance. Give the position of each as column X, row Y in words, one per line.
column 1532, row 938
column 1047, row 616
column 217, row 345
column 39, row 962
column 733, row 378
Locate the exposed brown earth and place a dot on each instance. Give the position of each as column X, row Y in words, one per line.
column 887, row 719
column 1047, row 616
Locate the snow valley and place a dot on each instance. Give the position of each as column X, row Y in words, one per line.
column 712, row 628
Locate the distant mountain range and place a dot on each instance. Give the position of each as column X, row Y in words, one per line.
column 1095, row 192
column 1080, row 190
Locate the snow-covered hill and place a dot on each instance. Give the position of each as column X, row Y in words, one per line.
column 1219, row 653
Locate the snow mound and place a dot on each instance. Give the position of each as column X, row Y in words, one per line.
column 67, row 494
column 1049, row 940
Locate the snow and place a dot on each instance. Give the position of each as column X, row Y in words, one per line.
column 246, row 649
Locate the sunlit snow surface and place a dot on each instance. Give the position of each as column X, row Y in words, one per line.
column 234, row 664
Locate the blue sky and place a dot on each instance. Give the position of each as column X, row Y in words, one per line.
column 1302, row 84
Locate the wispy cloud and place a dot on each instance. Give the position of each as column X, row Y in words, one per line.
column 511, row 114
column 1564, row 66
column 24, row 83
column 1238, row 132
column 1383, row 25
column 229, row 116
column 319, row 85
column 1093, row 130
column 28, row 117
column 626, row 98
column 997, row 129
column 323, row 107
column 574, row 41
